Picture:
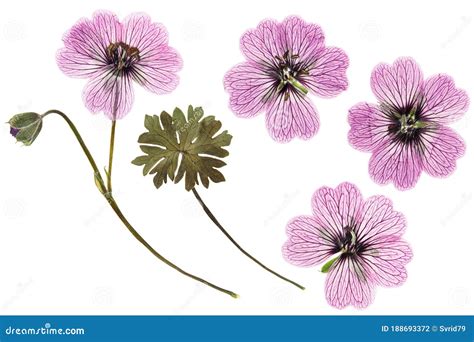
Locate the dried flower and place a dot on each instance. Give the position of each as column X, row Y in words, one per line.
column 361, row 242
column 112, row 54
column 25, row 127
column 285, row 61
column 406, row 131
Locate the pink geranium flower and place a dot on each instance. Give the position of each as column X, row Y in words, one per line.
column 112, row 54
column 284, row 62
column 406, row 130
column 360, row 240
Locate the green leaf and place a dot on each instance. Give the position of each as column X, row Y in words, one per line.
column 183, row 146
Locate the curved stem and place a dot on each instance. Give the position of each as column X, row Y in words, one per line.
column 78, row 137
column 111, row 156
column 222, row 229
column 113, row 204
column 127, row 224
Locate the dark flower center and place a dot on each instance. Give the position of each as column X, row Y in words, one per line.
column 348, row 243
column 122, row 55
column 407, row 124
column 287, row 73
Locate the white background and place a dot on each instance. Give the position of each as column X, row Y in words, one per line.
column 63, row 251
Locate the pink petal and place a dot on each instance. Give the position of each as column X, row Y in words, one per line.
column 347, row 284
column 148, row 37
column 107, row 27
column 109, row 93
column 308, row 244
column 443, row 102
column 327, row 77
column 248, row 86
column 76, row 64
column 368, row 126
column 398, row 85
column 296, row 116
column 441, row 147
column 302, row 39
column 396, row 162
column 158, row 72
column 378, row 221
column 262, row 44
column 158, row 65
column 385, row 262
column 335, row 209
column 86, row 43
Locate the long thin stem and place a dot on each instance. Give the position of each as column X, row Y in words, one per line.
column 78, row 137
column 113, row 204
column 222, row 229
column 132, row 230
column 111, row 156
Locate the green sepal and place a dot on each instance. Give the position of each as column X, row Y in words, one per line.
column 327, row 266
column 26, row 127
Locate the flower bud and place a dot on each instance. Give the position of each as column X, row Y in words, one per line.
column 25, row 127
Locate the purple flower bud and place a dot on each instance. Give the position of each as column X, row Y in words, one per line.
column 25, row 127
column 14, row 131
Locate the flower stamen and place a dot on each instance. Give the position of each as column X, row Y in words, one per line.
column 122, row 55
column 348, row 244
column 409, row 122
column 288, row 72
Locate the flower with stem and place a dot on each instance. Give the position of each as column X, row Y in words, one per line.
column 105, row 191
column 284, row 63
column 189, row 146
column 359, row 241
column 112, row 54
column 407, row 130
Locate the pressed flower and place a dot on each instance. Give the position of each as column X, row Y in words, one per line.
column 406, row 131
column 284, row 62
column 359, row 241
column 189, row 147
column 112, row 54
column 25, row 127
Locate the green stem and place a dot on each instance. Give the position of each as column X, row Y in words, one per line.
column 113, row 204
column 127, row 224
column 222, row 229
column 97, row 174
column 111, row 156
